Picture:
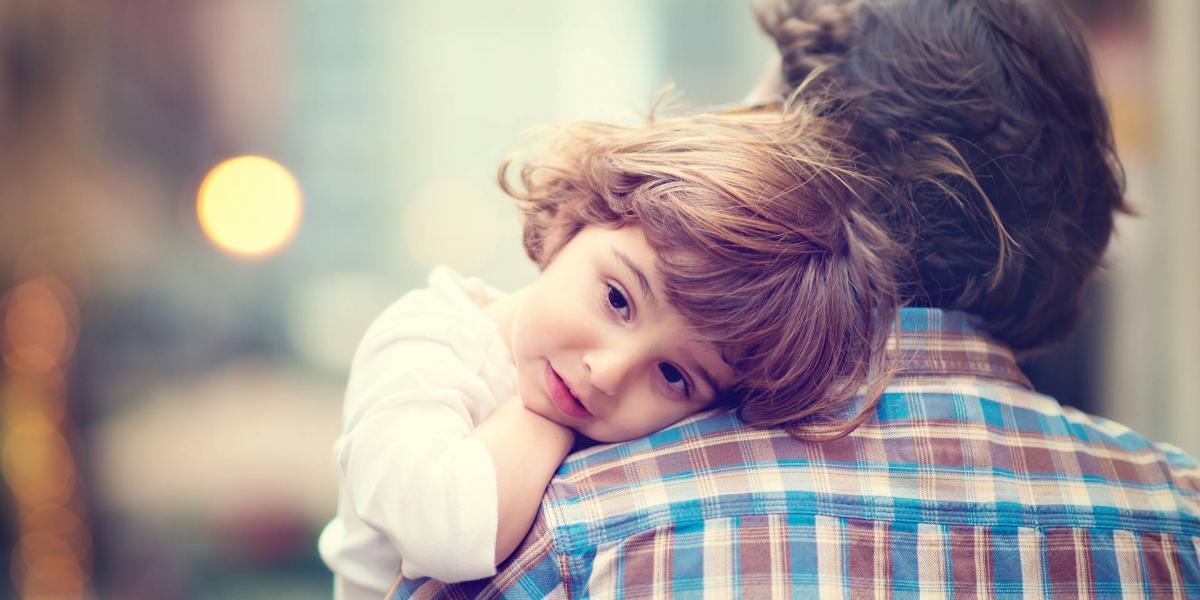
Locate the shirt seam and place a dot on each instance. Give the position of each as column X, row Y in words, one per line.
column 571, row 546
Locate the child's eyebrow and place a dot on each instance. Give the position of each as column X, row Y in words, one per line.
column 639, row 275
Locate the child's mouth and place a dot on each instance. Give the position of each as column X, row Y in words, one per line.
column 561, row 395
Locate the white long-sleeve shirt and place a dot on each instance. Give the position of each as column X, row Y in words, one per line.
column 418, row 497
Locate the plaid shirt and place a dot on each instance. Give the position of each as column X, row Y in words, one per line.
column 965, row 484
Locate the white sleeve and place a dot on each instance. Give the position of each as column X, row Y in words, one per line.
column 408, row 466
column 411, row 472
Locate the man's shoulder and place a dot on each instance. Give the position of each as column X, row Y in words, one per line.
column 959, row 466
column 968, row 453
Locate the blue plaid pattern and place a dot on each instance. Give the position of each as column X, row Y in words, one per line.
column 965, row 484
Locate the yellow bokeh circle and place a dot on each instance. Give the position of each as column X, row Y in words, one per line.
column 249, row 206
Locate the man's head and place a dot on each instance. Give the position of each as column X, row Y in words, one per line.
column 984, row 118
column 759, row 240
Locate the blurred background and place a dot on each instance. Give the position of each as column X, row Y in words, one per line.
column 203, row 205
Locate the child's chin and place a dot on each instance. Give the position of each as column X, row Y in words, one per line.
column 547, row 411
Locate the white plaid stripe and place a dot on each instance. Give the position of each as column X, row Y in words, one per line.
column 1030, row 542
column 882, row 553
column 719, row 561
column 603, row 580
column 1129, row 563
column 831, row 568
column 662, row 563
column 983, row 566
column 777, row 538
column 931, row 563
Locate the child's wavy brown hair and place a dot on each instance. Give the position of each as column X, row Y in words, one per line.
column 985, row 119
column 764, row 243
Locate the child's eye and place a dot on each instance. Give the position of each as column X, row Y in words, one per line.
column 618, row 302
column 674, row 377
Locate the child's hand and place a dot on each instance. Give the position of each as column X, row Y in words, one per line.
column 526, row 450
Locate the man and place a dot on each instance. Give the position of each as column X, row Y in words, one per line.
column 984, row 120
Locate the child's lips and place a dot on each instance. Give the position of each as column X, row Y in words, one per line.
column 561, row 395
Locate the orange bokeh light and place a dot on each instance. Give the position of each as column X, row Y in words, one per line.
column 53, row 577
column 37, row 463
column 59, row 521
column 41, row 397
column 40, row 326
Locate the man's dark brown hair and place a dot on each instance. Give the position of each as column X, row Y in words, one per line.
column 985, row 118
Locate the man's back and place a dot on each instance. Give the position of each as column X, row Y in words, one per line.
column 965, row 482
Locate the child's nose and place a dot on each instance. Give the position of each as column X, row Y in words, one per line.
column 608, row 369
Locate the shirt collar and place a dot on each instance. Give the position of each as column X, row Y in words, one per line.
column 936, row 342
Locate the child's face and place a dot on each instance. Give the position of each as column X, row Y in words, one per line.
column 600, row 350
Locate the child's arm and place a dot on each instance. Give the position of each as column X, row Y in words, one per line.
column 413, row 478
column 526, row 449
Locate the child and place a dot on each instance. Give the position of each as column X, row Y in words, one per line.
column 710, row 261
